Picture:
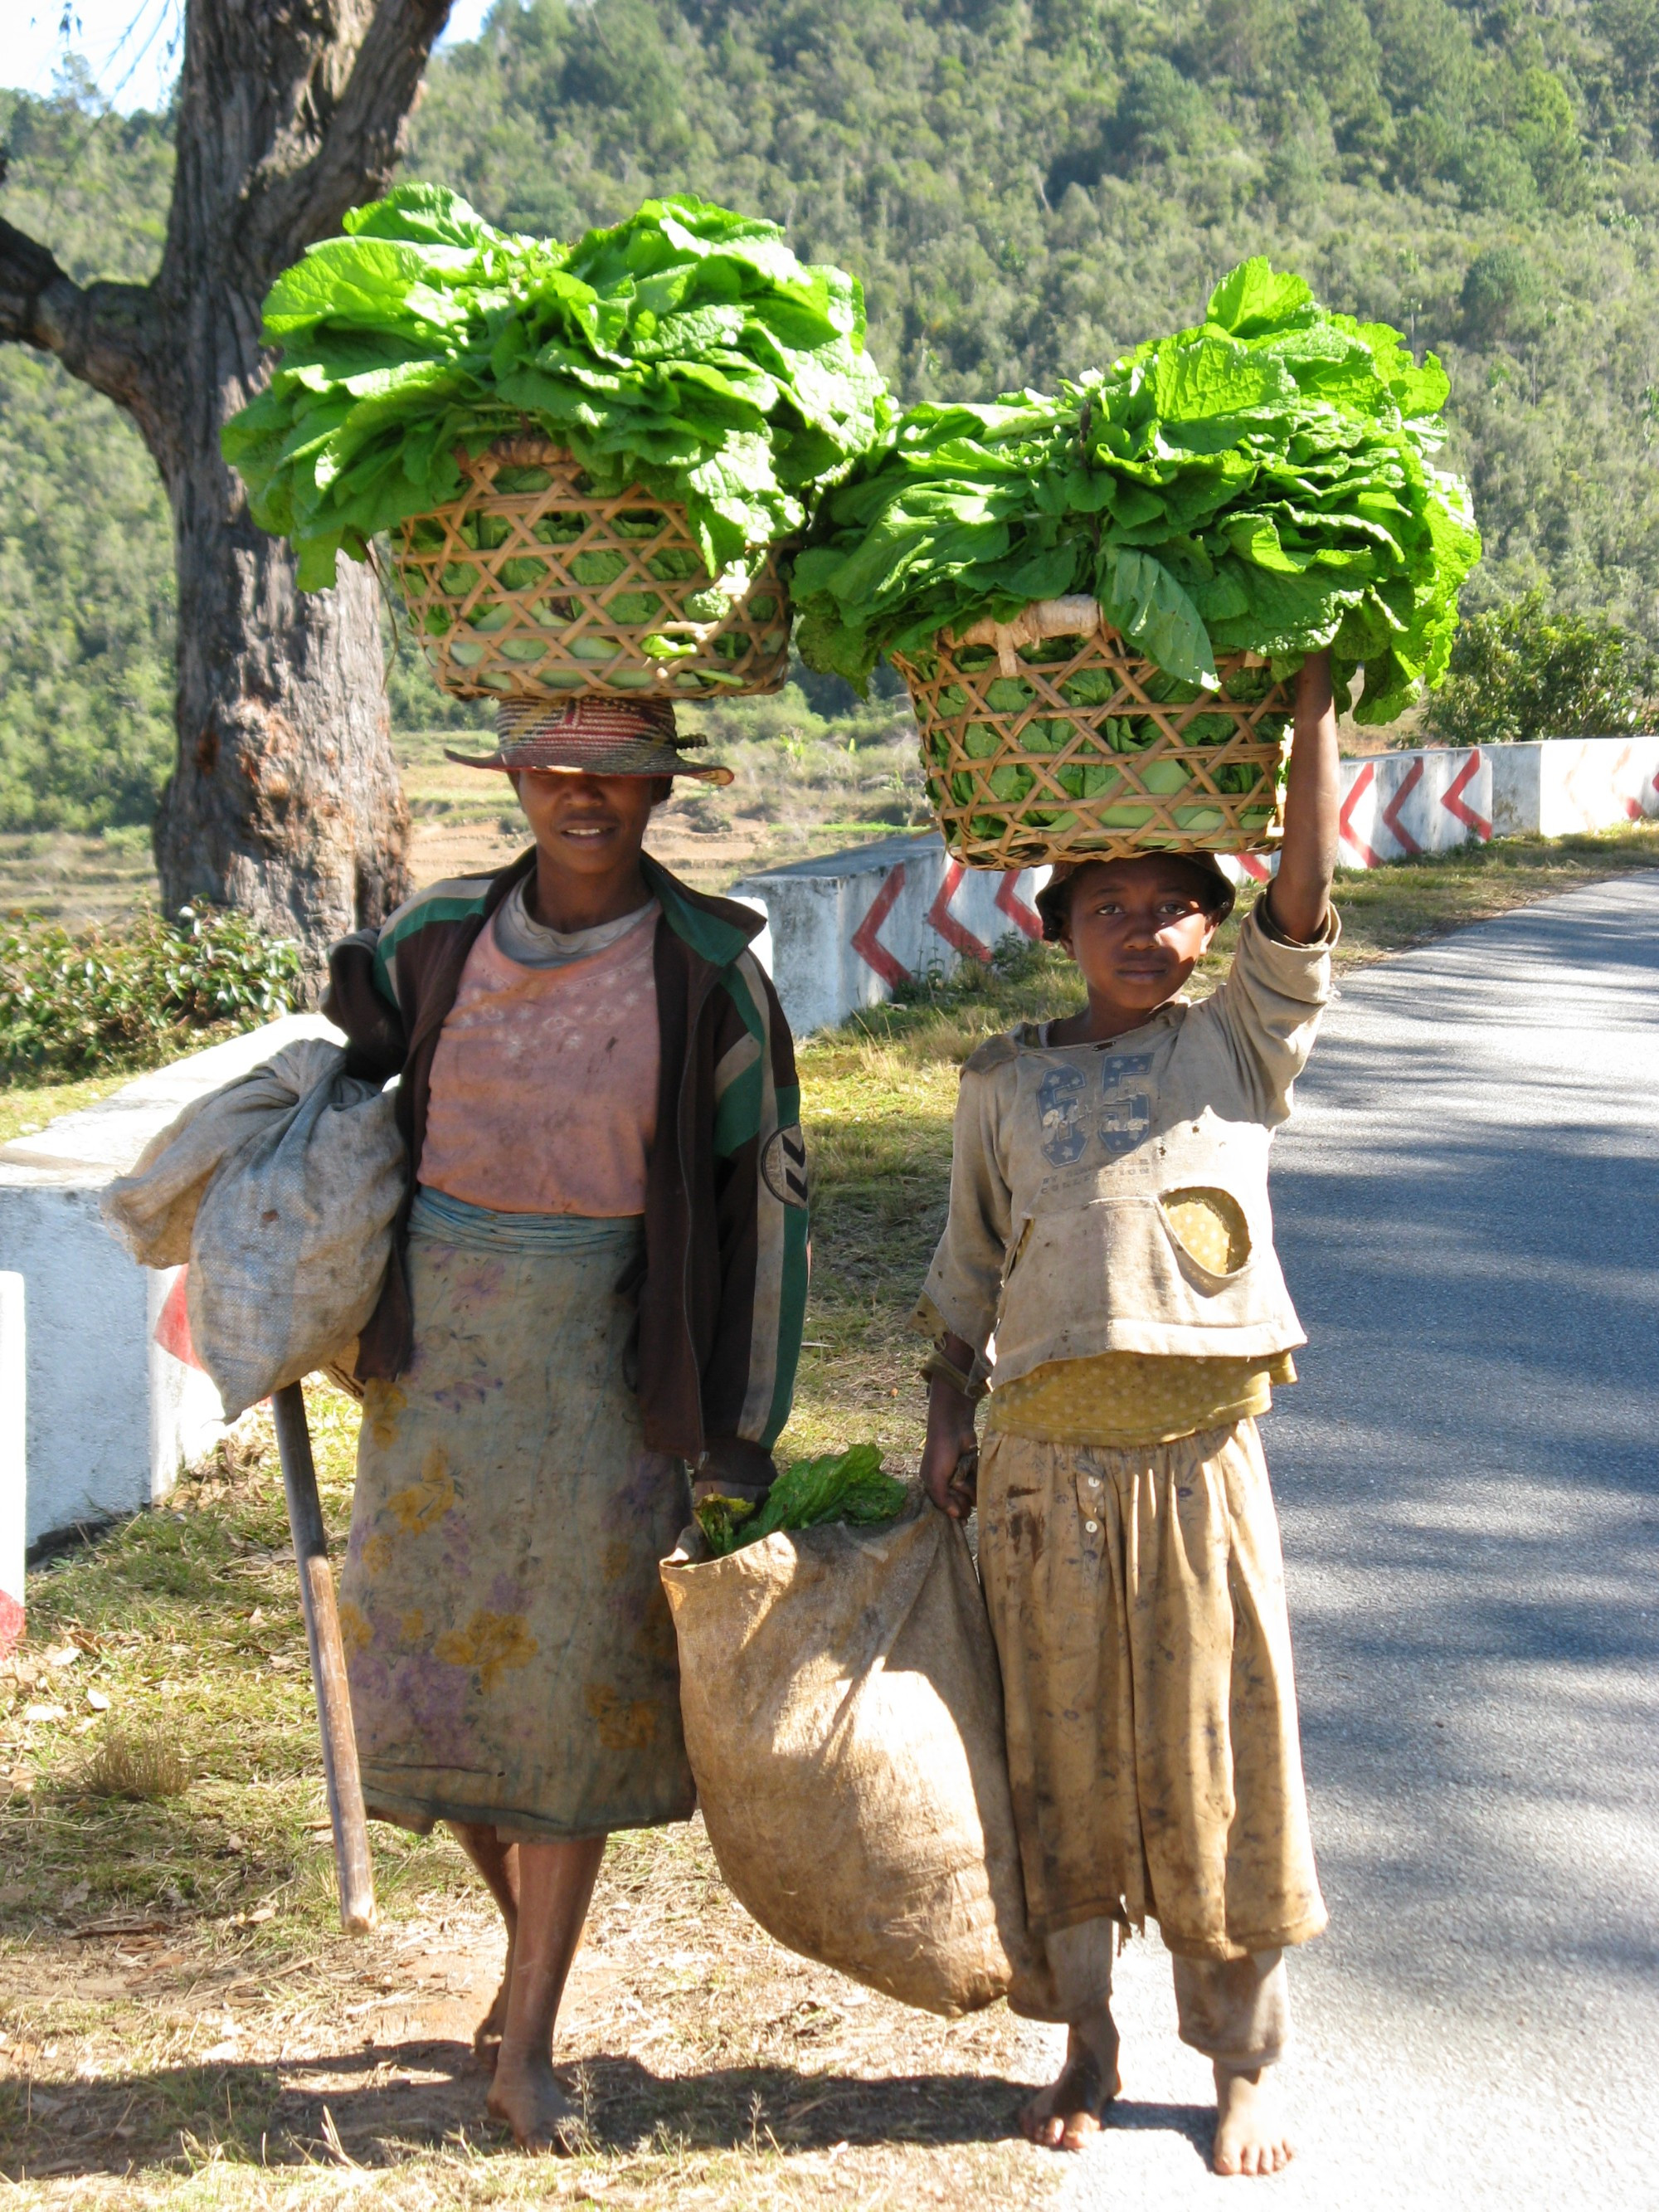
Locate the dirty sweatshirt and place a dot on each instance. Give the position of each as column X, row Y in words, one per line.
column 1075, row 1166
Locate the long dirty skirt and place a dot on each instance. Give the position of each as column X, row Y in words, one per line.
column 509, row 1648
column 1137, row 1598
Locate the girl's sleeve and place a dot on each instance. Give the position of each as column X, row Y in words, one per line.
column 965, row 1279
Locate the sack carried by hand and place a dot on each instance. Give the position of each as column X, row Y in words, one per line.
column 842, row 1710
column 281, row 1190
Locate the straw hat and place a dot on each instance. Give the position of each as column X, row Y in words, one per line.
column 593, row 735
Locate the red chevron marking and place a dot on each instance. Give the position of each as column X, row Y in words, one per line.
column 1454, row 803
column 954, row 932
column 1391, row 811
column 1008, row 902
column 1362, row 784
column 172, row 1323
column 868, row 946
column 1255, row 866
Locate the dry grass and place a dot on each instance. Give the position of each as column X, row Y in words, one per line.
column 140, row 1764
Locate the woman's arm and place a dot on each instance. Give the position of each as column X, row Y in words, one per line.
column 376, row 1041
column 1299, row 898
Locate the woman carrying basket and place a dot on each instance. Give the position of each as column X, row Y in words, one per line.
column 598, row 1285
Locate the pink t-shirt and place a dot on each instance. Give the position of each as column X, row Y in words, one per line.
column 544, row 1096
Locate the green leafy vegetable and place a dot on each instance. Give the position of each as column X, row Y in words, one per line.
column 846, row 1486
column 686, row 349
column 1264, row 481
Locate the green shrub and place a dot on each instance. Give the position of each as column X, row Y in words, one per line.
column 1518, row 672
column 77, row 1004
column 1500, row 282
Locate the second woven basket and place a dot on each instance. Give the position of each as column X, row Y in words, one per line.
column 533, row 586
column 1051, row 737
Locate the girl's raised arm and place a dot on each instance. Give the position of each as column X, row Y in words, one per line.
column 1299, row 899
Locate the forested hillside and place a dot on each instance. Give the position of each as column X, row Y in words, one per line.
column 1025, row 186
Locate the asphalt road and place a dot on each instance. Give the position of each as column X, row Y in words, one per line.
column 1469, row 1483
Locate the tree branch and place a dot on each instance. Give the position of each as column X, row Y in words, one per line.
column 99, row 331
column 362, row 140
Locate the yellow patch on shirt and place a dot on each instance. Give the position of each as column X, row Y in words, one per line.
column 412, row 1627
column 491, row 1641
column 1210, row 1226
column 378, row 1552
column 382, row 1403
column 423, row 1505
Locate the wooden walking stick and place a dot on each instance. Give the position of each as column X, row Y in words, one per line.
column 328, row 1672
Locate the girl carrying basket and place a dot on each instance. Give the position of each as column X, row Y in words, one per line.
column 1109, row 1232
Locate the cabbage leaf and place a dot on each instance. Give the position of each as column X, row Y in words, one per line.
column 685, row 350
column 1263, row 481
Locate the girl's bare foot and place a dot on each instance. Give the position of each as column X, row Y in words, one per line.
column 1064, row 2115
column 542, row 2117
column 1249, row 2129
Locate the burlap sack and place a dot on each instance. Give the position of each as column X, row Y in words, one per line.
column 282, row 1190
column 153, row 1210
column 843, row 1718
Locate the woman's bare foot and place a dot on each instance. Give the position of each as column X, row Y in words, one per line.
column 542, row 2117
column 1249, row 2129
column 1068, row 2111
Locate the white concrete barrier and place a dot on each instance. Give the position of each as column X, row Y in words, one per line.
column 847, row 929
column 112, row 1417
column 14, row 1460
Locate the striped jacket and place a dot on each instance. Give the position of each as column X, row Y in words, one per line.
column 723, row 1294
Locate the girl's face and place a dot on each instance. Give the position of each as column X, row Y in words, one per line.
column 588, row 825
column 1136, row 929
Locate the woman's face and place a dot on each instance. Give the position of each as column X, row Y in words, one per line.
column 591, row 825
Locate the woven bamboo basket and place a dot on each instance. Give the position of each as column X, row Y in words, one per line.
column 533, row 585
column 1050, row 738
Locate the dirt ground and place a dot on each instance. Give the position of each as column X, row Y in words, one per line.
column 181, row 2023
column 711, row 2066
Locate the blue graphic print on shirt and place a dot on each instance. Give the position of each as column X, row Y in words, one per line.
column 1060, row 1103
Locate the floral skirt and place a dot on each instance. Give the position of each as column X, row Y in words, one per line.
column 510, row 1651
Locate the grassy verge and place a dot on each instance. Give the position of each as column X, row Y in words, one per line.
column 28, row 1107
column 181, row 2023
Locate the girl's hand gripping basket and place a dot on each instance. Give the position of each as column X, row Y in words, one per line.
column 532, row 585
column 1050, row 738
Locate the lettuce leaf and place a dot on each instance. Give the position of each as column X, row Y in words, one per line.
column 1263, row 481
column 686, row 349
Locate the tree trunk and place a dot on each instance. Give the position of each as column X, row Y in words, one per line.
column 284, row 799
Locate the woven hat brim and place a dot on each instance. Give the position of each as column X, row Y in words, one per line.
column 627, row 756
